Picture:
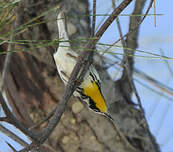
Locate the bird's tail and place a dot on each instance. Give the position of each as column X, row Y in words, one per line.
column 62, row 30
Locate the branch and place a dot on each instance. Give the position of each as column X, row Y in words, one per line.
column 6, row 64
column 162, row 87
column 43, row 120
column 11, row 118
column 154, row 82
column 12, row 148
column 76, row 77
column 119, row 26
column 111, row 18
column 139, row 23
column 132, row 30
column 167, row 63
column 93, row 19
column 92, row 34
column 127, row 72
column 13, row 136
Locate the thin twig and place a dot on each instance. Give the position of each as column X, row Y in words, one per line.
column 4, row 119
column 164, row 88
column 166, row 62
column 11, row 118
column 134, row 29
column 103, row 18
column 49, row 147
column 111, row 18
column 128, row 71
column 93, row 19
column 140, row 74
column 140, row 22
column 4, row 39
column 123, row 44
column 154, row 82
column 80, row 69
column 121, row 135
column 13, row 149
column 120, row 32
column 43, row 120
column 119, row 26
column 155, row 13
column 13, row 136
column 6, row 65
column 161, row 94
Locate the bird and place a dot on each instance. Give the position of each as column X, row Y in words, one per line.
column 65, row 57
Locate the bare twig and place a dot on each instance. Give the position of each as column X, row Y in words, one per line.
column 162, row 87
column 119, row 26
column 11, row 118
column 139, row 23
column 121, row 135
column 49, row 147
column 129, row 66
column 4, row 119
column 123, row 44
column 93, row 19
column 14, row 150
column 154, row 82
column 6, row 65
column 111, row 18
column 120, row 32
column 103, row 18
column 13, row 136
column 155, row 13
column 134, row 29
column 161, row 94
column 167, row 63
column 76, row 77
column 44, row 119
column 85, row 57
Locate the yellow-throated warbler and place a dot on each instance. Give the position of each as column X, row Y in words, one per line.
column 65, row 58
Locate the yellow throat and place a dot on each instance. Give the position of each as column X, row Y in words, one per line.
column 93, row 91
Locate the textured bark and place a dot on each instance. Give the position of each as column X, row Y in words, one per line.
column 34, row 88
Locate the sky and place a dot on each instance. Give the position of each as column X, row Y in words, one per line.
column 158, row 109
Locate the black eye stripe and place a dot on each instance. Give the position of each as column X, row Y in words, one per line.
column 63, row 79
column 92, row 105
column 64, row 74
column 95, row 79
column 92, row 75
column 79, row 89
column 95, row 76
column 99, row 84
column 82, row 95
